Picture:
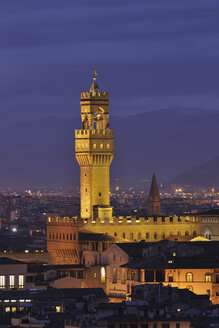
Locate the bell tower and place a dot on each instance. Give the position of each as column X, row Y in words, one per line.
column 94, row 151
column 154, row 198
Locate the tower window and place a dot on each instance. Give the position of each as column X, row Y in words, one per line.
column 99, row 193
column 108, row 146
column 94, row 146
column 189, row 277
column 101, row 146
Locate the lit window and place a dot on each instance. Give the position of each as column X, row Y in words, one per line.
column 123, row 276
column 208, row 277
column 58, row 308
column 11, row 281
column 101, row 146
column 114, row 275
column 21, row 281
column 95, row 275
column 103, row 274
column 108, row 146
column 94, row 146
column 189, row 277
column 2, row 282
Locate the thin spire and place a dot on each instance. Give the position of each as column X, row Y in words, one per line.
column 154, row 192
column 94, row 86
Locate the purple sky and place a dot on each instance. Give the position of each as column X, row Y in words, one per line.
column 149, row 55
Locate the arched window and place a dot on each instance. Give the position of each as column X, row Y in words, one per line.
column 63, row 236
column 194, row 234
column 70, row 236
column 171, row 233
column 50, row 235
column 155, row 235
column 179, row 233
column 115, row 234
column 139, row 235
column 131, row 236
column 132, row 275
column 123, row 235
column 57, row 235
column 114, row 275
column 208, row 234
column 67, row 236
column 147, row 235
column 123, row 276
column 186, row 233
column 103, row 275
column 170, row 277
column 208, row 277
column 189, row 277
column 163, row 236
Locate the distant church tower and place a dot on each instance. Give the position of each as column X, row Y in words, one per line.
column 154, row 198
column 94, row 151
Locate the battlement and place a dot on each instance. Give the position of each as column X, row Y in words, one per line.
column 128, row 220
column 82, row 133
column 94, row 95
column 62, row 221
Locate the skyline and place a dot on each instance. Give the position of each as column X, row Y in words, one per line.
column 148, row 56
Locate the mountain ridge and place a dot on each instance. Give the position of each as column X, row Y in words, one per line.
column 168, row 141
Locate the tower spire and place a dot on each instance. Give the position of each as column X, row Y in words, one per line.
column 154, row 198
column 94, row 86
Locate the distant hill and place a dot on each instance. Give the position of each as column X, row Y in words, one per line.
column 169, row 141
column 203, row 175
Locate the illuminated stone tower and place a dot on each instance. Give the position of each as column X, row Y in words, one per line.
column 154, row 198
column 94, row 150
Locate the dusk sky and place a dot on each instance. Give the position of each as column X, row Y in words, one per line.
column 149, row 55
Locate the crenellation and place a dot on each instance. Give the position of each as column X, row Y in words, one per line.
column 94, row 96
column 92, row 133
